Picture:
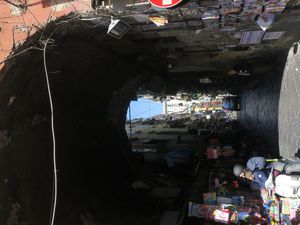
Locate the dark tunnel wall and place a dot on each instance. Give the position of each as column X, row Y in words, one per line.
column 92, row 78
column 88, row 83
column 26, row 174
column 260, row 104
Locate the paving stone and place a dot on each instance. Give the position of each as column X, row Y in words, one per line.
column 289, row 105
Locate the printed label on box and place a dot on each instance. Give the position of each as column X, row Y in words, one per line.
column 273, row 35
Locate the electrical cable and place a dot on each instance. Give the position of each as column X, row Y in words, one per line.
column 99, row 24
column 53, row 9
column 67, row 21
column 23, row 3
column 55, row 189
column 34, row 16
column 75, row 9
column 13, row 37
column 54, row 194
column 82, row 2
column 13, row 4
column 19, row 53
column 22, row 6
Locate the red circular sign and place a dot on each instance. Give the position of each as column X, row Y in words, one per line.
column 165, row 3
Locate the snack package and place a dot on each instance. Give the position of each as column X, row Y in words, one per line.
column 238, row 200
column 202, row 210
column 224, row 200
column 289, row 207
column 210, row 198
column 222, row 215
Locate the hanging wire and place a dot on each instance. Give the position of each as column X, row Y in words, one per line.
column 14, row 4
column 54, row 192
column 34, row 16
column 22, row 6
column 53, row 9
column 41, row 42
column 19, row 53
column 55, row 188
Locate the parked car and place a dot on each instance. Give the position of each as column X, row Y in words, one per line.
column 232, row 103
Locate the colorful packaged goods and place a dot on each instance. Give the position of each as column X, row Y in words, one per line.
column 242, row 216
column 212, row 153
column 238, row 200
column 265, row 196
column 222, row 215
column 224, row 200
column 226, row 213
column 290, row 207
column 234, row 218
column 202, row 210
column 210, row 198
column 275, row 8
column 274, row 214
column 228, row 10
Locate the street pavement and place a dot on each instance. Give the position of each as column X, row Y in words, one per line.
column 271, row 106
column 289, row 105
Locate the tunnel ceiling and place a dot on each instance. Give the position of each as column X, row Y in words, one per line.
column 199, row 40
column 209, row 47
column 202, row 38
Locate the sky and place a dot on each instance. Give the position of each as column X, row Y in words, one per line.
column 144, row 108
